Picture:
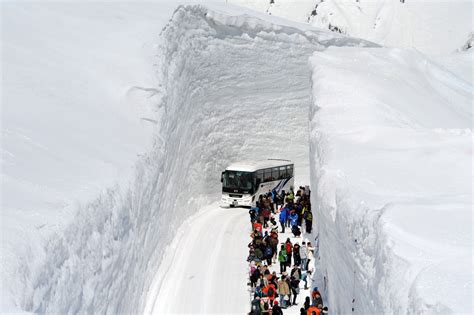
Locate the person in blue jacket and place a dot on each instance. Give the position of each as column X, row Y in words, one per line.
column 283, row 218
column 293, row 219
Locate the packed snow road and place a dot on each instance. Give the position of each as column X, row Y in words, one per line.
column 236, row 95
column 204, row 270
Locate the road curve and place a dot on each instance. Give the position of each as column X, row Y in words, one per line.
column 204, row 269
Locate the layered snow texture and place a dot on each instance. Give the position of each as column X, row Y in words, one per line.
column 433, row 27
column 228, row 88
column 391, row 153
column 76, row 113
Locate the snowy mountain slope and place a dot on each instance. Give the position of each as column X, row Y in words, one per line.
column 433, row 27
column 391, row 146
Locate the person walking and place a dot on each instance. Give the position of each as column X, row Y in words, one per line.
column 283, row 290
column 282, row 259
column 295, row 288
column 310, row 254
column 283, row 218
column 296, row 254
column 304, row 255
column 289, row 251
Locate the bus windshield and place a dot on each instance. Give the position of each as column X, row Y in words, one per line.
column 236, row 181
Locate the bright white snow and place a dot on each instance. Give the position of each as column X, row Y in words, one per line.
column 391, row 150
column 431, row 26
column 112, row 137
column 74, row 121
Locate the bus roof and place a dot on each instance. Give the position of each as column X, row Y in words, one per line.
column 251, row 166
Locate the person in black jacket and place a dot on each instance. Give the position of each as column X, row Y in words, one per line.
column 295, row 288
column 276, row 310
column 255, row 307
column 307, row 303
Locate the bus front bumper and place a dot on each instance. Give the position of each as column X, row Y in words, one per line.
column 245, row 201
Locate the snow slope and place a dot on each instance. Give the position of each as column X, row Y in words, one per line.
column 391, row 157
column 431, row 26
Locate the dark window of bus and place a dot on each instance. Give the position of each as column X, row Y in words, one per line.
column 289, row 170
column 260, row 178
column 282, row 172
column 275, row 173
column 268, row 175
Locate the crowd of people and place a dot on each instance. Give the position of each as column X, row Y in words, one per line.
column 270, row 247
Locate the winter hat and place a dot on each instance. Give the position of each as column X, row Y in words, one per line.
column 275, row 303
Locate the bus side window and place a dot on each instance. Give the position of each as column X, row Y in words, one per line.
column 260, row 178
column 275, row 173
column 289, row 170
column 282, row 172
column 268, row 175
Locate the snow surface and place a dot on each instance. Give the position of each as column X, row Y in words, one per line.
column 431, row 26
column 204, row 266
column 113, row 137
column 75, row 117
column 391, row 157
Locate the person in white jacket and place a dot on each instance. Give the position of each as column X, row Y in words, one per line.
column 304, row 256
column 310, row 253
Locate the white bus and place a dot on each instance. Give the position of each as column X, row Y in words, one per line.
column 243, row 182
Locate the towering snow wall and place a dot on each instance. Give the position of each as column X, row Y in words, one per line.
column 230, row 88
column 391, row 169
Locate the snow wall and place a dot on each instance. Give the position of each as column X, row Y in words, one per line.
column 211, row 112
column 214, row 108
column 391, row 170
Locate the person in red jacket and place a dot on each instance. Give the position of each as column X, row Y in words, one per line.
column 313, row 310
column 289, row 251
column 270, row 291
column 258, row 226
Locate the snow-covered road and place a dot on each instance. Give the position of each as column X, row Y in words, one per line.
column 201, row 269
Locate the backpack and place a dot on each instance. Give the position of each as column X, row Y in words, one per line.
column 266, row 306
column 271, row 292
column 268, row 252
